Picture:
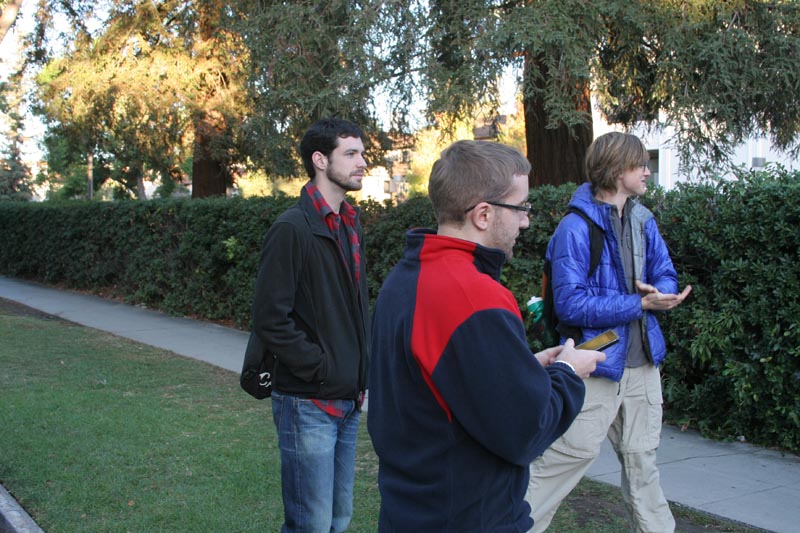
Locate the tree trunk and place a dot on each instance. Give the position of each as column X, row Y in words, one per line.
column 89, row 175
column 140, row 192
column 209, row 175
column 556, row 155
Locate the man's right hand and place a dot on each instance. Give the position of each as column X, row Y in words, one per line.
column 583, row 361
column 653, row 300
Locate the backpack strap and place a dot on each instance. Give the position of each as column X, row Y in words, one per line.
column 596, row 240
column 552, row 327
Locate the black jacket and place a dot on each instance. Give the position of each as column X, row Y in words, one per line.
column 307, row 310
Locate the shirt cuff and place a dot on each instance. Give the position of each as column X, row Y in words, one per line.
column 567, row 365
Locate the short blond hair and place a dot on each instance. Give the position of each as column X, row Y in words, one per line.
column 611, row 155
column 469, row 172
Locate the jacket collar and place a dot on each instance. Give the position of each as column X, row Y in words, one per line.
column 425, row 244
column 583, row 199
column 315, row 220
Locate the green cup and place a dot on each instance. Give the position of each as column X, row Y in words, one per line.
column 536, row 307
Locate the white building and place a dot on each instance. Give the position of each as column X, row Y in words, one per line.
column 378, row 185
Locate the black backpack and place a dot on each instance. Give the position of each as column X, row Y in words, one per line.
column 551, row 330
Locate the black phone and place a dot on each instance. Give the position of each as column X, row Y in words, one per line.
column 604, row 340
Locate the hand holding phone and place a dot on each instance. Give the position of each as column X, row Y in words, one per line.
column 604, row 340
column 584, row 361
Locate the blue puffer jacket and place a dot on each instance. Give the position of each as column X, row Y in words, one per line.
column 602, row 302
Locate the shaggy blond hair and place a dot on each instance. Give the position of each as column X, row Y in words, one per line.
column 611, row 155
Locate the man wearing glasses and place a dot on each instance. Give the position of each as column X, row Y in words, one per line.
column 459, row 405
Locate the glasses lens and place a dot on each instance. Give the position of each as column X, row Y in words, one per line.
column 528, row 209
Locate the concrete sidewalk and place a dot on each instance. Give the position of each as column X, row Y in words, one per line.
column 737, row 481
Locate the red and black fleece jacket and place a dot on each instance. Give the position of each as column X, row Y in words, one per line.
column 458, row 404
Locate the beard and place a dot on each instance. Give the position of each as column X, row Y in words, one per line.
column 503, row 239
column 346, row 182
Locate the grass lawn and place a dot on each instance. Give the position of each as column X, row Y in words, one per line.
column 98, row 433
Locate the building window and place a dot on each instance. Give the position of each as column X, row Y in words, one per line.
column 387, row 187
column 652, row 164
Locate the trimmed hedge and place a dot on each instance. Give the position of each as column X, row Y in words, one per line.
column 191, row 258
column 734, row 364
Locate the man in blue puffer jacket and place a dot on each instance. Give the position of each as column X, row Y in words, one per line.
column 634, row 279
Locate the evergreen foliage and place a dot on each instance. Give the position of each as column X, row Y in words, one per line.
column 15, row 177
column 735, row 365
column 159, row 84
column 224, row 84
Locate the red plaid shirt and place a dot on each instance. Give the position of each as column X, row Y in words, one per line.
column 346, row 215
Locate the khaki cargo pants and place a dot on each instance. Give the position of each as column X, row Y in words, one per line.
column 629, row 413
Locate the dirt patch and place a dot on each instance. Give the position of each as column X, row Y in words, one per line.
column 592, row 510
column 10, row 307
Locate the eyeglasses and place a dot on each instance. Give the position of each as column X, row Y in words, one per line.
column 524, row 208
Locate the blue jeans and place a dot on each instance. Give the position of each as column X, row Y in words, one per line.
column 317, row 464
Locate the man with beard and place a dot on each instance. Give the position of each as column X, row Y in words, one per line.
column 310, row 311
column 459, row 404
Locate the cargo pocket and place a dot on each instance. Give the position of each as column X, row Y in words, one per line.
column 585, row 436
column 655, row 408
